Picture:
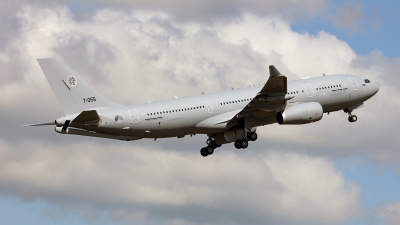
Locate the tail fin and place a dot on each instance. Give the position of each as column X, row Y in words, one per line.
column 71, row 91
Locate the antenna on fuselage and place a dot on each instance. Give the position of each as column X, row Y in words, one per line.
column 323, row 74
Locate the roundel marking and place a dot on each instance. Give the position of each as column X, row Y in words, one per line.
column 72, row 81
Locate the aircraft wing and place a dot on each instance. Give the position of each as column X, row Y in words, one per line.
column 271, row 99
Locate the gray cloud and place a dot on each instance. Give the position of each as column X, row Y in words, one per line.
column 10, row 53
column 389, row 213
column 349, row 16
column 87, row 53
column 224, row 187
column 210, row 10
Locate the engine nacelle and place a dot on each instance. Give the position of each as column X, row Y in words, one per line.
column 301, row 114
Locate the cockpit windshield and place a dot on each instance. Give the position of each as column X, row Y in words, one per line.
column 367, row 81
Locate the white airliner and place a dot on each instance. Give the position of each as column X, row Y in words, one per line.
column 228, row 116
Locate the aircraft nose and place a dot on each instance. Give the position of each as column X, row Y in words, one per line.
column 374, row 89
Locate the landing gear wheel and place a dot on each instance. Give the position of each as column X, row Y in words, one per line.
column 238, row 144
column 252, row 136
column 244, row 144
column 352, row 118
column 214, row 144
column 209, row 150
column 203, row 152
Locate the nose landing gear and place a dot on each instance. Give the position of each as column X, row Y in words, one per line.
column 352, row 118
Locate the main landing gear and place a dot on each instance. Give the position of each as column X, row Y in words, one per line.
column 244, row 143
column 352, row 118
column 206, row 151
column 211, row 145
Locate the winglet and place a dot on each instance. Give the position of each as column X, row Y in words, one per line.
column 273, row 72
column 276, row 82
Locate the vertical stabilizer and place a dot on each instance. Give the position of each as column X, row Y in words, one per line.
column 72, row 92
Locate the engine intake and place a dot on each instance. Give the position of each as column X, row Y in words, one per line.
column 301, row 114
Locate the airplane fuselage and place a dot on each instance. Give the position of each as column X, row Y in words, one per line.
column 189, row 115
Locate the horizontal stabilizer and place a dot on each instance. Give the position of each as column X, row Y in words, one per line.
column 89, row 117
column 39, row 124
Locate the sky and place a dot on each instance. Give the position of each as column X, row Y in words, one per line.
column 329, row 172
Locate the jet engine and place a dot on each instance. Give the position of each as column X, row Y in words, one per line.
column 300, row 114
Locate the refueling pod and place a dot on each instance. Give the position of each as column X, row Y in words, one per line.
column 301, row 113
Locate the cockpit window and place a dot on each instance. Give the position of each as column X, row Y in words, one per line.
column 367, row 81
